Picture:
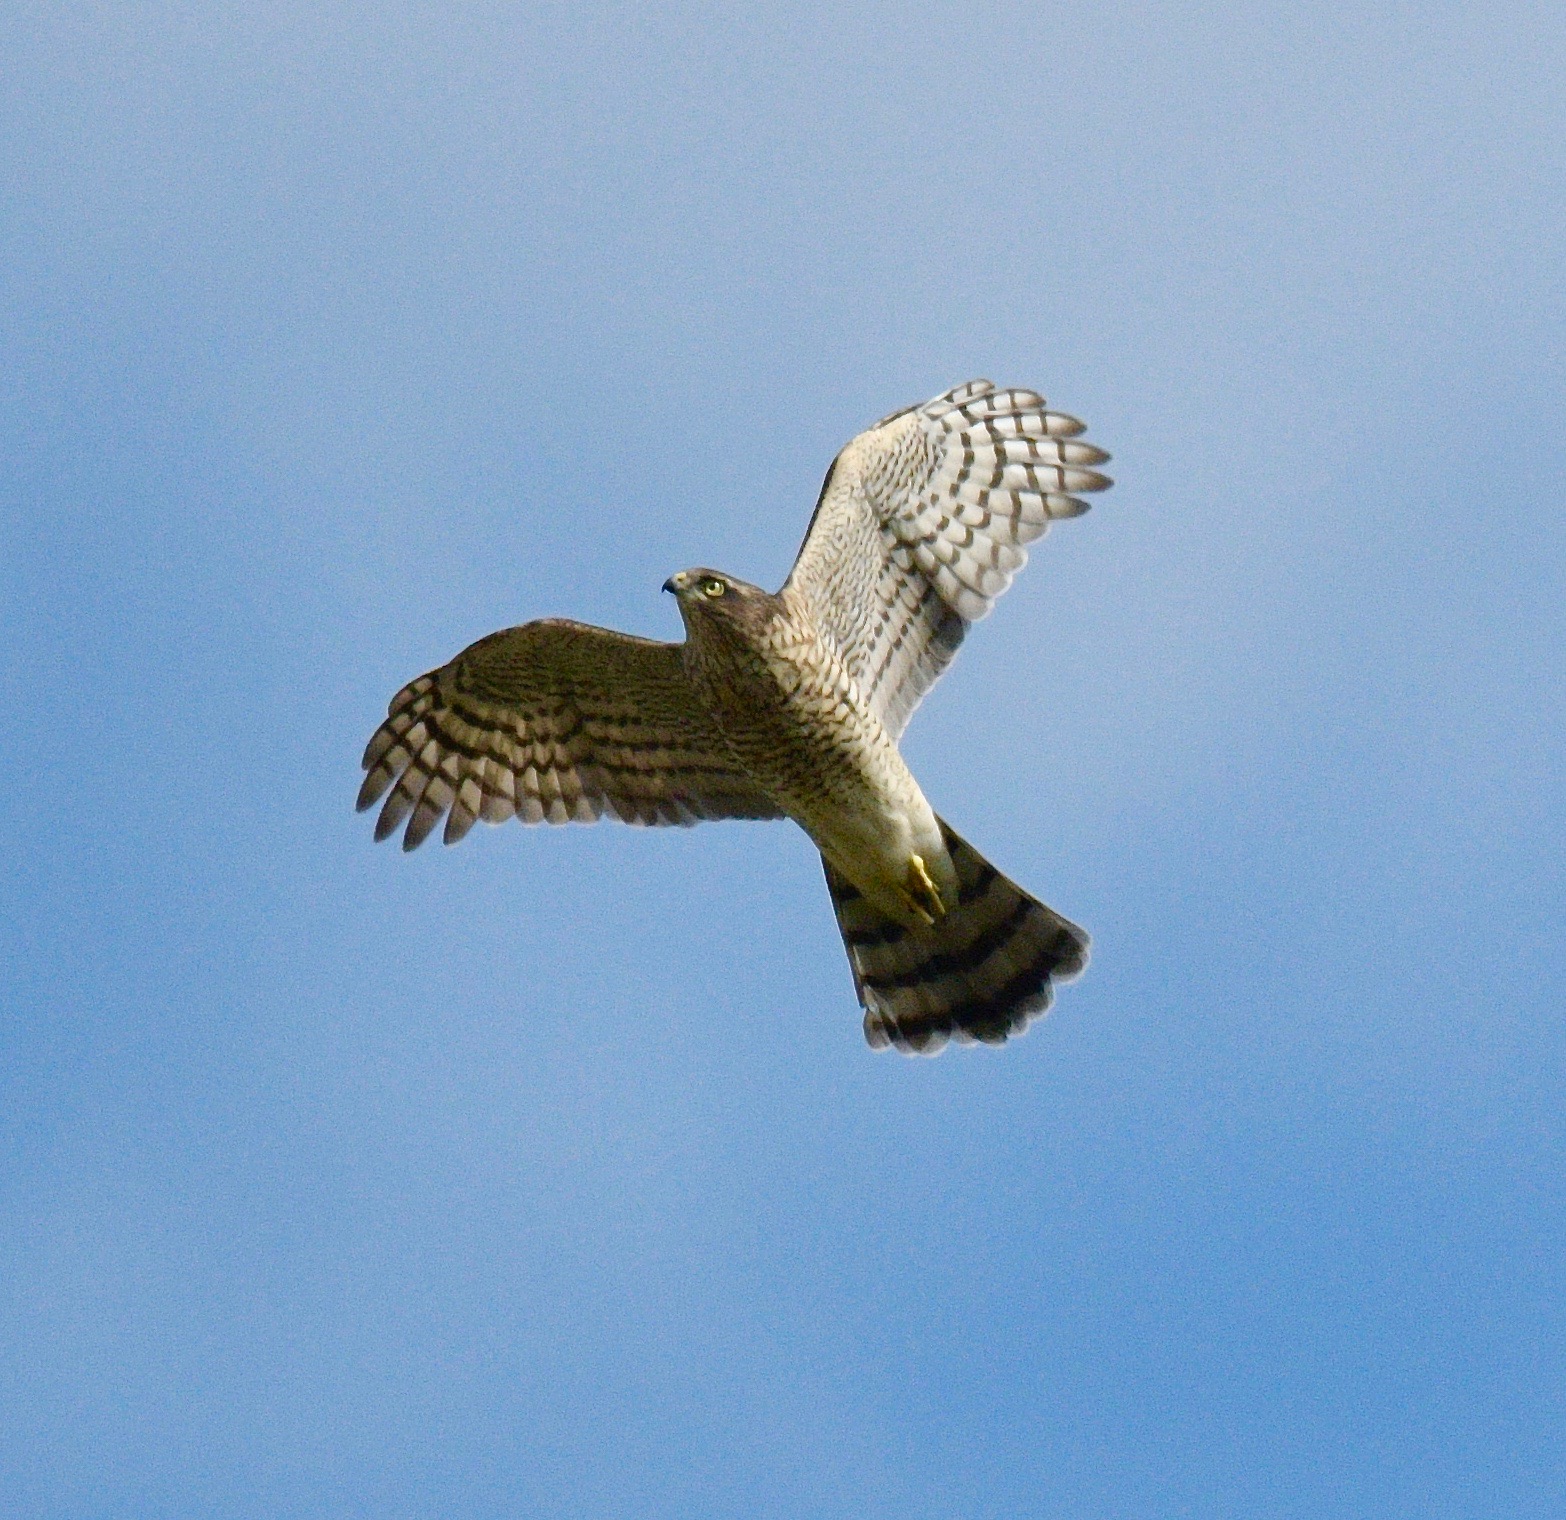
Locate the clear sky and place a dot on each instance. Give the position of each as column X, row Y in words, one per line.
column 550, row 1175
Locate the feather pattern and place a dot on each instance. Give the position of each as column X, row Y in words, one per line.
column 981, row 973
column 922, row 522
column 555, row 722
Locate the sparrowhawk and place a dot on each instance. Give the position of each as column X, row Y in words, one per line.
column 791, row 705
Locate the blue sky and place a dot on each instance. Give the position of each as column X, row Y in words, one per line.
column 550, row 1174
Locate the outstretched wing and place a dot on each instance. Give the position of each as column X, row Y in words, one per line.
column 922, row 523
column 553, row 721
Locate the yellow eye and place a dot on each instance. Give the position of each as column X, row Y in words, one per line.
column 712, row 586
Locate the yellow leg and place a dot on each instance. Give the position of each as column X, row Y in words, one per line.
column 921, row 892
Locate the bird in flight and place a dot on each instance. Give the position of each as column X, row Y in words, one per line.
column 790, row 706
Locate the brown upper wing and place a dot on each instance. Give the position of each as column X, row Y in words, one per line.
column 922, row 524
column 553, row 721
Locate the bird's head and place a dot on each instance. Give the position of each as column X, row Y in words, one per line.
column 708, row 596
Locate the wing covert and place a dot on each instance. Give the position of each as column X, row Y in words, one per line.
column 554, row 721
column 923, row 521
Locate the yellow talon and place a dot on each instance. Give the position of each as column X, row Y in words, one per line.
column 922, row 892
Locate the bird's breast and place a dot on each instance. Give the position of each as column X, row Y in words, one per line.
column 797, row 722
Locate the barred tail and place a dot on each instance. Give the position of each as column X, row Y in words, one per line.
column 983, row 972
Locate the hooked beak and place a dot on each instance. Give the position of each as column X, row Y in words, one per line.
column 672, row 585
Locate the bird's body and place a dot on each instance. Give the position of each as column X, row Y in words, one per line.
column 802, row 729
column 790, row 704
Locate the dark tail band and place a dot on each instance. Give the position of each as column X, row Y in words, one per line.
column 983, row 972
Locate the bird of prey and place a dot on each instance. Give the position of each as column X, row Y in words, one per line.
column 791, row 705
